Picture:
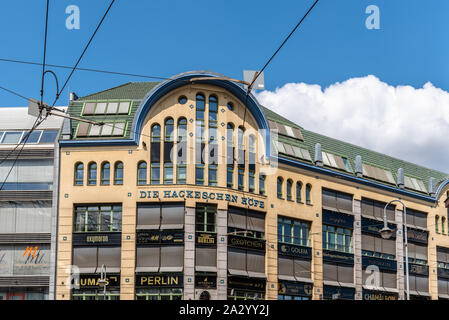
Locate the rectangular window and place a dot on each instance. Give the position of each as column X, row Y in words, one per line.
column 337, row 239
column 230, row 176
column 155, row 173
column 241, row 177
column 251, row 184
column 181, row 174
column 294, row 231
column 206, row 218
column 168, row 173
column 199, row 174
column 213, row 175
column 98, row 218
column 262, row 184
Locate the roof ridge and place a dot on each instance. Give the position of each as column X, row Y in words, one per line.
column 379, row 153
column 109, row 89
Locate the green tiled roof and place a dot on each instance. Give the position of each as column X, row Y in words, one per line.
column 136, row 91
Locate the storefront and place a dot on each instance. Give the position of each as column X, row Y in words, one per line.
column 159, row 286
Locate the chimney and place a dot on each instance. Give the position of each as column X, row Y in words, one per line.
column 73, row 96
column 358, row 166
column 318, row 155
column 401, row 178
column 67, row 129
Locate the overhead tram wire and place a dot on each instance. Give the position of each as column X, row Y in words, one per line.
column 82, row 54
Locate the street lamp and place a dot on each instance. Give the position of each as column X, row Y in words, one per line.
column 386, row 233
column 102, row 282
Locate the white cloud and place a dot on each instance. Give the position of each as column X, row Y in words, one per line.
column 403, row 122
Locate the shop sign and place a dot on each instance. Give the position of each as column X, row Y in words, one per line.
column 417, row 235
column 205, row 281
column 159, row 280
column 205, row 195
column 93, row 280
column 97, row 238
column 338, row 257
column 246, row 243
column 159, row 237
column 418, row 269
column 379, row 295
column 383, row 264
column 206, row 238
column 295, row 288
column 294, row 250
column 338, row 219
column 252, row 284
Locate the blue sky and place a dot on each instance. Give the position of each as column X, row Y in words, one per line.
column 164, row 38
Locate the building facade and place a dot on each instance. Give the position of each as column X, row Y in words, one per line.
column 193, row 190
column 28, row 206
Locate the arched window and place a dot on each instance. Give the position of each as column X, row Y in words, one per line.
column 279, row 187
column 156, row 133
column 308, row 194
column 105, row 173
column 230, row 135
column 92, row 174
column 182, row 129
column 289, row 189
column 252, row 143
column 79, row 174
column 240, row 134
column 298, row 191
column 142, row 173
column 213, row 113
column 262, row 178
column 200, row 109
column 169, row 127
column 437, row 222
column 118, row 173
column 230, row 155
column 443, row 222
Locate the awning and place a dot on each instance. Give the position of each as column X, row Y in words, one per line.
column 147, row 269
column 171, row 269
column 205, row 269
column 236, row 272
column 338, row 284
column 256, row 275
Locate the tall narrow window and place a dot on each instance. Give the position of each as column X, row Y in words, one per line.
column 206, row 218
column 308, row 194
column 92, row 172
column 230, row 155
column 199, row 174
column 200, row 139
column 241, row 177
column 118, row 173
column 280, row 182
column 298, row 191
column 443, row 222
column 213, row 113
column 142, row 173
column 105, row 173
column 251, row 178
column 262, row 178
column 168, row 173
column 437, row 222
column 251, row 162
column 155, row 154
column 289, row 189
column 182, row 151
column 212, row 174
column 79, row 174
column 169, row 129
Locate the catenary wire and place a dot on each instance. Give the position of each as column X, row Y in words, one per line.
column 82, row 54
column 280, row 47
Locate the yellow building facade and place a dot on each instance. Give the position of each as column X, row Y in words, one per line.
column 189, row 189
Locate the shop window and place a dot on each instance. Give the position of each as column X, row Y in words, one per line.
column 289, row 189
column 337, row 239
column 280, row 181
column 298, row 191
column 118, row 173
column 92, row 174
column 308, row 194
column 159, row 294
column 294, row 231
column 106, row 218
column 142, row 173
column 262, row 179
column 105, row 173
column 206, row 218
column 95, row 295
column 79, row 174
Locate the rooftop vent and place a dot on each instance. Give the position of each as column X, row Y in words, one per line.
column 318, row 155
column 358, row 166
column 401, row 178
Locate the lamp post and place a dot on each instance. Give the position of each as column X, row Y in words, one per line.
column 386, row 233
column 102, row 281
